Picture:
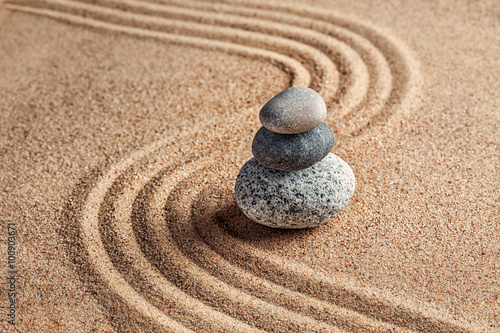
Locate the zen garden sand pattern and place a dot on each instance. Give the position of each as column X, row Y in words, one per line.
column 125, row 125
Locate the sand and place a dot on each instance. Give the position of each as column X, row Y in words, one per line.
column 124, row 125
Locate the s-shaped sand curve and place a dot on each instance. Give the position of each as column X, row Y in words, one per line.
column 113, row 206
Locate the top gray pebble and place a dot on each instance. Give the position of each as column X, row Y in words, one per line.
column 294, row 110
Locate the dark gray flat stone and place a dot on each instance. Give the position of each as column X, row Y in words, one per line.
column 294, row 200
column 290, row 152
column 294, row 110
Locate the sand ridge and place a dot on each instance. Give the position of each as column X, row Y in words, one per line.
column 359, row 96
column 160, row 234
column 133, row 205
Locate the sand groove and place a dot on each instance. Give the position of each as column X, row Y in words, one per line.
column 300, row 75
column 336, row 42
column 347, row 68
column 376, row 47
column 152, row 243
column 318, row 64
column 354, row 81
column 356, row 76
column 170, row 262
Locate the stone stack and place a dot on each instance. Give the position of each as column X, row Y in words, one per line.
column 294, row 181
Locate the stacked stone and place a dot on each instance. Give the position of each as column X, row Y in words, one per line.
column 294, row 181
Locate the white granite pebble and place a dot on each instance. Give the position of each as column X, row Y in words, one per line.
column 294, row 200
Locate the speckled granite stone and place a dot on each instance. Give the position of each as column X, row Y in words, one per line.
column 294, row 110
column 298, row 199
column 290, row 152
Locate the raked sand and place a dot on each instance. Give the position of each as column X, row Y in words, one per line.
column 124, row 125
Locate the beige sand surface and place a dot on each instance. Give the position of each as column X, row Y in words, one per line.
column 124, row 125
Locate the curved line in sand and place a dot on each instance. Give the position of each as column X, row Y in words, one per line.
column 334, row 41
column 195, row 249
column 389, row 100
column 333, row 298
column 119, row 241
column 121, row 199
column 302, row 279
column 405, row 68
column 100, row 252
column 99, row 257
column 300, row 74
column 394, row 77
column 155, row 282
column 318, row 63
column 354, row 82
column 212, row 291
column 128, row 259
column 91, row 218
column 365, row 89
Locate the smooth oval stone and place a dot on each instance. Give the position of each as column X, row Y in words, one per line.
column 294, row 200
column 290, row 152
column 294, row 110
